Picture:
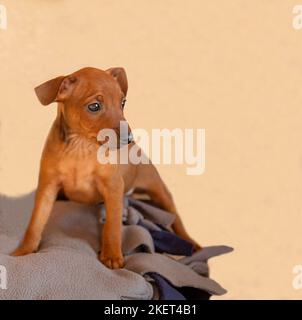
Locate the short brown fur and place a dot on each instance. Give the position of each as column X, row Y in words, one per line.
column 69, row 164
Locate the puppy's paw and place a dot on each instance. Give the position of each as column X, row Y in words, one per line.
column 112, row 261
column 22, row 251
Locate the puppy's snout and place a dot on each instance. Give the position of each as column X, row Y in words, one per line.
column 125, row 134
column 130, row 137
column 127, row 138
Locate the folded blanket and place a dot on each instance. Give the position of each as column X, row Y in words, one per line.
column 159, row 264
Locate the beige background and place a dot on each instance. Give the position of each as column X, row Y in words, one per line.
column 231, row 67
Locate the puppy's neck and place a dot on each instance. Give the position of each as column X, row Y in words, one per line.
column 61, row 124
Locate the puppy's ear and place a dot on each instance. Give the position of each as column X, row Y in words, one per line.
column 120, row 75
column 55, row 90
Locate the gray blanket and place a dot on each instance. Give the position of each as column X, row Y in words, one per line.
column 66, row 265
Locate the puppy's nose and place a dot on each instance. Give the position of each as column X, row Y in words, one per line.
column 130, row 137
column 126, row 138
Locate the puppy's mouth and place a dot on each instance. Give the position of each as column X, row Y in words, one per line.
column 123, row 138
column 128, row 139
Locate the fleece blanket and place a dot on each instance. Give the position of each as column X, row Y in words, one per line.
column 159, row 264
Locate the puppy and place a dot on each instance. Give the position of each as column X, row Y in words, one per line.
column 90, row 100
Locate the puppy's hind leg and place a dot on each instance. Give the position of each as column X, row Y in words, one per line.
column 149, row 180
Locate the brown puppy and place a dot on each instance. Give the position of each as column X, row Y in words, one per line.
column 90, row 100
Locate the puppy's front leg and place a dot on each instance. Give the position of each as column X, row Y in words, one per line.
column 45, row 198
column 111, row 242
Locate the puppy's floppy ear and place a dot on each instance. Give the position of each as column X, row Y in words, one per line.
column 55, row 90
column 47, row 92
column 120, row 75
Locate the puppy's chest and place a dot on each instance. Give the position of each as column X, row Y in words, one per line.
column 77, row 176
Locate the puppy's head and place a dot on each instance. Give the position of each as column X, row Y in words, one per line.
column 89, row 99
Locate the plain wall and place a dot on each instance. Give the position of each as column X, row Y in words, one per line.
column 232, row 67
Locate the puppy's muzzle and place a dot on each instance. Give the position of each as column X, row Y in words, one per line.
column 126, row 139
column 124, row 136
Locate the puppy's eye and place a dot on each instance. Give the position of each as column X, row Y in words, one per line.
column 123, row 104
column 95, row 107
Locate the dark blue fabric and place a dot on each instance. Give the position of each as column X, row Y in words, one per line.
column 168, row 242
column 165, row 289
column 168, row 292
